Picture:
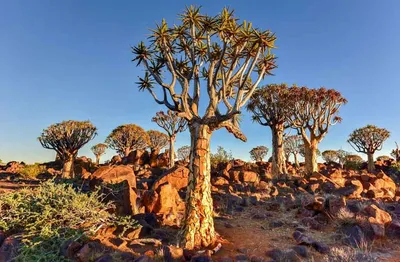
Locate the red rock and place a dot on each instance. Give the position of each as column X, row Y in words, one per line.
column 178, row 177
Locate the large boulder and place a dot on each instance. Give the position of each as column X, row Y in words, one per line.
column 123, row 175
column 378, row 219
column 178, row 177
column 137, row 157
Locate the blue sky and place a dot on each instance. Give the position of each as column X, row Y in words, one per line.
column 63, row 60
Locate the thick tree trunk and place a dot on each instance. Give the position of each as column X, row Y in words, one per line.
column 278, row 153
column 97, row 160
column 296, row 160
column 371, row 164
column 198, row 229
column 68, row 168
column 172, row 151
column 310, row 157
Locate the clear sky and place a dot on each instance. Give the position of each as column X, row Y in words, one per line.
column 62, row 60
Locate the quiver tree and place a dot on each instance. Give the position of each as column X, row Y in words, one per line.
column 396, row 153
column 157, row 141
column 342, row 156
column 66, row 138
column 292, row 145
column 368, row 140
column 330, row 156
column 313, row 111
column 269, row 106
column 172, row 124
column 99, row 150
column 184, row 153
column 224, row 60
column 258, row 153
column 126, row 138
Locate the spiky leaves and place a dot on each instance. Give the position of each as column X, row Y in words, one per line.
column 368, row 140
column 258, row 153
column 126, row 138
column 170, row 122
column 66, row 138
column 158, row 140
column 231, row 57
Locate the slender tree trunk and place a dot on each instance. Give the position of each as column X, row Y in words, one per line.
column 97, row 160
column 172, row 151
column 68, row 167
column 296, row 160
column 310, row 157
column 278, row 153
column 198, row 229
column 371, row 164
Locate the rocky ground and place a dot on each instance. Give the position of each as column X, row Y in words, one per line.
column 331, row 215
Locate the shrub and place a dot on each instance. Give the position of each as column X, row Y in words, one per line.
column 32, row 171
column 349, row 254
column 353, row 162
column 50, row 215
column 222, row 156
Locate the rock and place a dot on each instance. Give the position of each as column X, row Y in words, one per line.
column 249, row 177
column 84, row 254
column 311, row 223
column 301, row 251
column 9, row 249
column 335, row 203
column 116, row 160
column 241, row 258
column 178, row 177
column 70, row 248
column 337, row 177
column 280, row 255
column 306, row 240
column 105, row 258
column 219, row 181
column 354, row 236
column 172, row 253
column 144, row 258
column 137, row 157
column 201, row 258
column 314, row 203
column 2, row 237
column 275, row 224
column 381, row 216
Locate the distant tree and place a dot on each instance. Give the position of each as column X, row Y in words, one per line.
column 342, row 155
column 172, row 124
column 184, row 153
column 330, row 156
column 313, row 111
column 292, row 145
column 221, row 156
column 302, row 151
column 126, row 138
column 383, row 158
column 269, row 106
column 368, row 140
column 99, row 150
column 66, row 138
column 396, row 153
column 353, row 162
column 225, row 58
column 258, row 153
column 158, row 140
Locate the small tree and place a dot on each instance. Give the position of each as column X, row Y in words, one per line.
column 184, row 153
column 221, row 156
column 66, row 138
column 269, row 106
column 126, row 138
column 228, row 58
column 158, row 141
column 341, row 156
column 313, row 111
column 368, row 140
column 292, row 145
column 330, row 156
column 172, row 124
column 258, row 153
column 99, row 150
column 396, row 153
column 383, row 158
column 353, row 162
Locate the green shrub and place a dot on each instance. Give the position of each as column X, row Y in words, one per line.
column 50, row 215
column 32, row 171
column 221, row 156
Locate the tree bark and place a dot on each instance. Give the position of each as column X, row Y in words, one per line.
column 198, row 229
column 172, row 151
column 68, row 168
column 296, row 160
column 371, row 164
column 310, row 157
column 127, row 151
column 278, row 153
column 97, row 160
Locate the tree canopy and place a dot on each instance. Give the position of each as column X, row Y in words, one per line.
column 126, row 138
column 158, row 140
column 368, row 139
column 258, row 153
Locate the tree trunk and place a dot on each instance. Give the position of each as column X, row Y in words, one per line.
column 371, row 164
column 278, row 153
column 97, row 160
column 310, row 157
column 68, row 168
column 198, row 229
column 172, row 151
column 127, row 151
column 296, row 160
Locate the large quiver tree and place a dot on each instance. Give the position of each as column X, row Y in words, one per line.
column 225, row 60
column 313, row 111
column 368, row 140
column 99, row 150
column 66, row 138
column 126, row 138
column 172, row 124
column 269, row 106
